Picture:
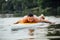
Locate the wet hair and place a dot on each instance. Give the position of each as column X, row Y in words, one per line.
column 30, row 15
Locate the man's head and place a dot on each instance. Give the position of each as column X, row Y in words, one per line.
column 30, row 17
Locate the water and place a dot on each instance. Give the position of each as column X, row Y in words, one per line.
column 50, row 33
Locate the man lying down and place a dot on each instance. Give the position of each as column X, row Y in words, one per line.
column 31, row 18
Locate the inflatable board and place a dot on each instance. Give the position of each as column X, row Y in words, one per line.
column 29, row 25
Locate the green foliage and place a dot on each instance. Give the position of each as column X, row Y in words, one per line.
column 49, row 3
column 58, row 11
column 22, row 7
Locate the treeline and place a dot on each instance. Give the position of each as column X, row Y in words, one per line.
column 22, row 7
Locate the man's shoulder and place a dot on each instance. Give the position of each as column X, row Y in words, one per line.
column 25, row 16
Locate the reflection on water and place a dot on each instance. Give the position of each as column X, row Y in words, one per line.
column 50, row 33
column 55, row 39
column 31, row 32
column 54, row 30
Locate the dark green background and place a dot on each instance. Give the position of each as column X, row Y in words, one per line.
column 23, row 7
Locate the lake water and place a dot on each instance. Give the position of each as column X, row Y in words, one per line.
column 50, row 33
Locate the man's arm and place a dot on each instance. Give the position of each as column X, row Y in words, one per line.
column 36, row 19
column 16, row 22
column 46, row 21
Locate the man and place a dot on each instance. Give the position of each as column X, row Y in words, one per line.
column 30, row 18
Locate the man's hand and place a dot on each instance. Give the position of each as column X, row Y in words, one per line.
column 16, row 23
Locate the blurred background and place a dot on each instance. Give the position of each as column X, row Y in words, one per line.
column 13, row 10
column 17, row 8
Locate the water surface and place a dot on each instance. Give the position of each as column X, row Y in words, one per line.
column 50, row 33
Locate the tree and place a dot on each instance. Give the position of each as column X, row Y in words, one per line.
column 51, row 3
